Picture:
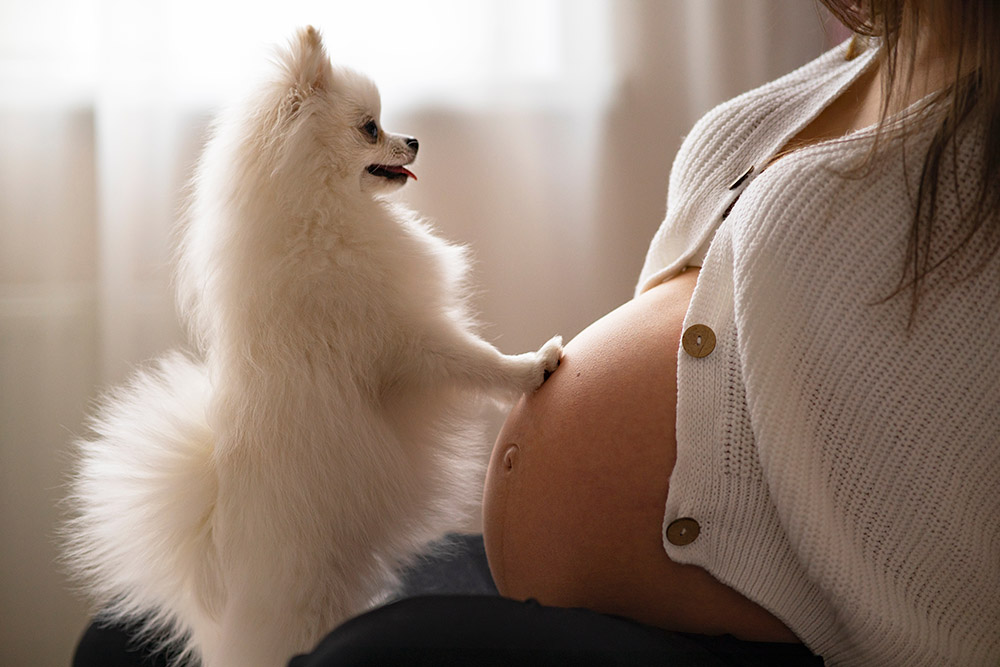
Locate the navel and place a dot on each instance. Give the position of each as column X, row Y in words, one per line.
column 510, row 456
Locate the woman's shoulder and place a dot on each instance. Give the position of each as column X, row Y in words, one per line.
column 807, row 79
column 733, row 141
column 758, row 116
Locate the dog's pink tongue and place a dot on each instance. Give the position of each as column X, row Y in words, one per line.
column 401, row 170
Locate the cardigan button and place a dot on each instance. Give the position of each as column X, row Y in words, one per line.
column 682, row 532
column 698, row 341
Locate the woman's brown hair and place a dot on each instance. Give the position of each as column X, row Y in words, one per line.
column 971, row 31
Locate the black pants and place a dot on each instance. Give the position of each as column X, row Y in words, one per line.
column 485, row 631
column 450, row 614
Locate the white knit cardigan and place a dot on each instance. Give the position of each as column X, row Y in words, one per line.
column 844, row 470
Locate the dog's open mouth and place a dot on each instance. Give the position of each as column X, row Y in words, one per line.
column 392, row 172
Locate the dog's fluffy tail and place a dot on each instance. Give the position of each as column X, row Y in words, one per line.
column 142, row 496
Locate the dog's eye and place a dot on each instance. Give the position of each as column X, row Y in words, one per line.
column 371, row 129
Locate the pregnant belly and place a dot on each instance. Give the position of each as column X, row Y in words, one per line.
column 575, row 492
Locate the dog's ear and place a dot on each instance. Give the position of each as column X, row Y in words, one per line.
column 306, row 63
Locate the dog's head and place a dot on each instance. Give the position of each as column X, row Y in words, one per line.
column 328, row 118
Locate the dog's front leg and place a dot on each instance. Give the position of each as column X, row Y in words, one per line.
column 459, row 355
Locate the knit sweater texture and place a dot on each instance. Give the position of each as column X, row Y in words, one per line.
column 843, row 464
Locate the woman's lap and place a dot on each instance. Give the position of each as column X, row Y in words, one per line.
column 489, row 630
column 483, row 630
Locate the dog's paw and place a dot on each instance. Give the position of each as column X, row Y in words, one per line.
column 526, row 372
column 548, row 358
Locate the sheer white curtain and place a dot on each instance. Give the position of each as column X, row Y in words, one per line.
column 547, row 130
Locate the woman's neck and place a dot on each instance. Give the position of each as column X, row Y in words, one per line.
column 929, row 55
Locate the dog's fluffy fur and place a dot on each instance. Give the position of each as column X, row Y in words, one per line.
column 249, row 501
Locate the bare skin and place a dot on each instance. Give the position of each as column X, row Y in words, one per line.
column 574, row 497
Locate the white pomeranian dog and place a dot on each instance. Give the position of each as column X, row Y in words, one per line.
column 249, row 502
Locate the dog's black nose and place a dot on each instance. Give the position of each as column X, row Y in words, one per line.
column 412, row 144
